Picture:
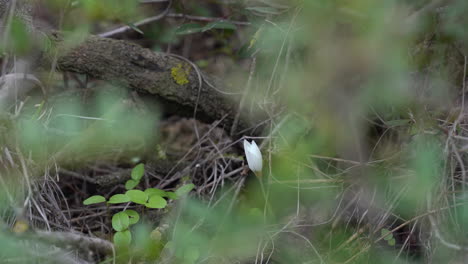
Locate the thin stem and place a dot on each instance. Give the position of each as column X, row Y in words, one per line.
column 265, row 196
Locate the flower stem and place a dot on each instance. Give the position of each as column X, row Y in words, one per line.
column 265, row 196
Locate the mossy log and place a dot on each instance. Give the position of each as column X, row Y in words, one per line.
column 177, row 84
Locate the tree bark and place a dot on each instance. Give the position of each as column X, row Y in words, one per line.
column 179, row 86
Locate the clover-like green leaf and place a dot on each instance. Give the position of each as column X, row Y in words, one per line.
column 156, row 201
column 95, row 199
column 155, row 191
column 137, row 196
column 130, row 184
column 119, row 198
column 133, row 215
column 171, row 195
column 122, row 238
column 120, row 221
column 138, row 171
column 386, row 233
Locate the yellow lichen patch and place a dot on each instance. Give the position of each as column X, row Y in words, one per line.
column 20, row 227
column 180, row 73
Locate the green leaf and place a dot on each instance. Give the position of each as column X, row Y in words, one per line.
column 156, row 201
column 391, row 242
column 134, row 27
column 385, row 232
column 119, row 198
column 171, row 195
column 183, row 190
column 245, row 51
column 219, row 25
column 134, row 217
column 137, row 196
column 120, row 221
column 130, row 184
column 189, row 28
column 154, row 191
column 123, row 238
column 95, row 199
column 138, row 172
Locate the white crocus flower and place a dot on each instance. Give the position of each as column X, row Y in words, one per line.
column 254, row 156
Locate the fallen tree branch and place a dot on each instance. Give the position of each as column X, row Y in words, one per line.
column 175, row 82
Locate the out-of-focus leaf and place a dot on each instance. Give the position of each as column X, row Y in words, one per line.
column 385, row 232
column 219, row 25
column 183, row 190
column 132, row 26
column 125, row 10
column 20, row 40
column 122, row 238
column 191, row 255
column 171, row 195
column 399, row 122
column 189, row 29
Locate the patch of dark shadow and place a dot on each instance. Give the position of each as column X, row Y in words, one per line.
column 168, row 108
column 381, row 131
column 407, row 240
column 146, row 64
column 376, row 128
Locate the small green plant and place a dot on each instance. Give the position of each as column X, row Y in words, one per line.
column 152, row 198
column 388, row 236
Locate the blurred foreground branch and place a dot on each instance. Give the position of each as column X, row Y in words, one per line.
column 76, row 240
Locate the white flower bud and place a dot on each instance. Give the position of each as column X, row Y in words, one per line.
column 254, row 156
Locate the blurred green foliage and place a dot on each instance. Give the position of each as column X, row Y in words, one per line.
column 366, row 142
column 126, row 10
